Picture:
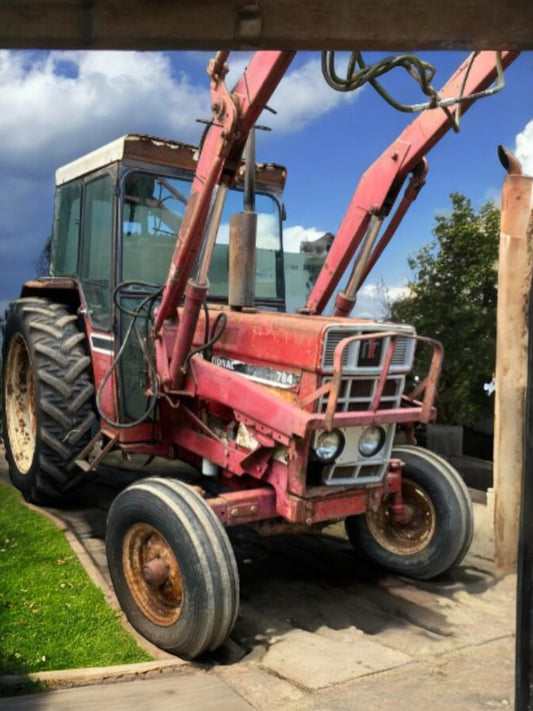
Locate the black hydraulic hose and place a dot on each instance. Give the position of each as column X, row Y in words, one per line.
column 215, row 335
column 134, row 314
column 358, row 73
column 144, row 284
column 422, row 72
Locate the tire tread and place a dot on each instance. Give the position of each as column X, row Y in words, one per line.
column 64, row 395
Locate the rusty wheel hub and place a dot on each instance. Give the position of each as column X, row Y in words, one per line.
column 405, row 535
column 20, row 404
column 152, row 574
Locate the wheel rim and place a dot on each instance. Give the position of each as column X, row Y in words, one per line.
column 411, row 536
column 152, row 574
column 20, row 404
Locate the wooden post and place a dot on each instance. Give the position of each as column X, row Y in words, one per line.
column 514, row 285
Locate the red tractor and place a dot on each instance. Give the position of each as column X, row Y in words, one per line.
column 288, row 419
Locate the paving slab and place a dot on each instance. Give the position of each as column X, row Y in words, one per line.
column 314, row 661
column 198, row 692
column 473, row 679
column 263, row 690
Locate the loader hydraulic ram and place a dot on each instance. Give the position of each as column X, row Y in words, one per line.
column 286, row 421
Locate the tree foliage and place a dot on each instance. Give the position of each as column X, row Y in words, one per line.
column 42, row 263
column 452, row 298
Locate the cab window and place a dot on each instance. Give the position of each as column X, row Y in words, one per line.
column 152, row 211
column 66, row 229
column 96, row 262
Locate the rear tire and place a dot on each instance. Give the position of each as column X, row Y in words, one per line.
column 172, row 567
column 47, row 414
column 440, row 531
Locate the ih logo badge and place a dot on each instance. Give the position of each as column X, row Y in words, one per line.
column 370, row 352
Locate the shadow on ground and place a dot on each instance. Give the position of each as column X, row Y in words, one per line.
column 289, row 581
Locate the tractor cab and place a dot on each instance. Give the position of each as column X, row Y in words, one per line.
column 119, row 209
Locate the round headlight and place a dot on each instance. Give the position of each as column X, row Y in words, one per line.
column 371, row 441
column 329, row 445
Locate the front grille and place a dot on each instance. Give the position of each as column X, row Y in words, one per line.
column 357, row 394
column 357, row 473
column 362, row 365
column 368, row 354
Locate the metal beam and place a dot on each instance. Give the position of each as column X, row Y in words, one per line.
column 268, row 24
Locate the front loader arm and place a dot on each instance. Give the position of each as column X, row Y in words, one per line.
column 380, row 184
column 234, row 114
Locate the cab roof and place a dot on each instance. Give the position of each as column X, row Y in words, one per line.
column 158, row 151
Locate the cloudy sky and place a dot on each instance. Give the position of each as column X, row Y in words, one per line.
column 55, row 106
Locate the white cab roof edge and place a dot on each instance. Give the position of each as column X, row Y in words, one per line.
column 131, row 145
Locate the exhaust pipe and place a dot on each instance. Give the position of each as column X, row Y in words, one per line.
column 242, row 240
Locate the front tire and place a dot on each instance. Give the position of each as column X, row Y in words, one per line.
column 172, row 567
column 47, row 414
column 439, row 532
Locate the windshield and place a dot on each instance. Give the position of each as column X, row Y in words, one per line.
column 152, row 210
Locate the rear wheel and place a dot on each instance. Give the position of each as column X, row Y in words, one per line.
column 47, row 413
column 438, row 530
column 172, row 567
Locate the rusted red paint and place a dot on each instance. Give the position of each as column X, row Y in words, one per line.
column 295, row 340
column 195, row 295
column 320, row 504
column 239, row 507
column 415, row 185
column 48, row 283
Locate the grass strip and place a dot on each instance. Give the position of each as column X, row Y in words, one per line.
column 52, row 616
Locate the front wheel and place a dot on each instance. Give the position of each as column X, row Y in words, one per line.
column 172, row 567
column 438, row 530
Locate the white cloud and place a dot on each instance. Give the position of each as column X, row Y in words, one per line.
column 524, row 148
column 380, row 291
column 303, row 96
column 54, row 106
column 295, row 235
column 373, row 300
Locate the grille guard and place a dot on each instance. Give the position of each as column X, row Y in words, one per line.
column 419, row 411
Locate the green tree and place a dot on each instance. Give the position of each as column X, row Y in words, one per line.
column 42, row 263
column 452, row 298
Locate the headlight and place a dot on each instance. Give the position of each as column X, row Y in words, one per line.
column 329, row 445
column 371, row 441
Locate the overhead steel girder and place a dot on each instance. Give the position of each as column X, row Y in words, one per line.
column 268, row 24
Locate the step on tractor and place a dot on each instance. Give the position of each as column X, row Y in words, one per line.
column 162, row 330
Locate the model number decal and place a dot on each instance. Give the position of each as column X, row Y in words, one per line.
column 269, row 376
